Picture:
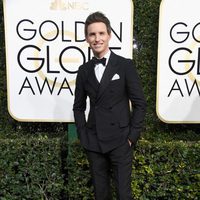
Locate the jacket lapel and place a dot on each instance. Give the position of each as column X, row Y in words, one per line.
column 92, row 80
column 110, row 70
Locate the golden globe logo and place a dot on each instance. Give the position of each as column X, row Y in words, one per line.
column 178, row 89
column 44, row 58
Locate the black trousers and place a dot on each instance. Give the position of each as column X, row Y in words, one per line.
column 119, row 162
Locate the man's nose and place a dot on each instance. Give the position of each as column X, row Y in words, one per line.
column 97, row 37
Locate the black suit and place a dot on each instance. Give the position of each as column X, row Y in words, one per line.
column 110, row 122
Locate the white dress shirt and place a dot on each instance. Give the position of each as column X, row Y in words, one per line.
column 99, row 68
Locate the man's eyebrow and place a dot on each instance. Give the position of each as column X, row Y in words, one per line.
column 91, row 33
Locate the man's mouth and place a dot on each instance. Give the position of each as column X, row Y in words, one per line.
column 97, row 45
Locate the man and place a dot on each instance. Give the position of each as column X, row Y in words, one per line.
column 112, row 128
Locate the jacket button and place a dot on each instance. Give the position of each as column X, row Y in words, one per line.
column 110, row 108
column 112, row 124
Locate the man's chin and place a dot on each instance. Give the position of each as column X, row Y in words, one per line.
column 97, row 52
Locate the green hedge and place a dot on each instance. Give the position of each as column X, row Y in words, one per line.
column 32, row 169
column 160, row 171
column 35, row 168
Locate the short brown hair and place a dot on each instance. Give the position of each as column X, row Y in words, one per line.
column 97, row 17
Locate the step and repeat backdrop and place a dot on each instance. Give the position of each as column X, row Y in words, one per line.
column 178, row 75
column 45, row 45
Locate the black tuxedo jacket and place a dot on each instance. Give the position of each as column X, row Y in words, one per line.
column 117, row 105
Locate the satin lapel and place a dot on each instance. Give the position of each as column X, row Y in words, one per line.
column 92, row 80
column 110, row 70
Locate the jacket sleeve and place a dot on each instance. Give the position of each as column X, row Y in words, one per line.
column 138, row 102
column 80, row 104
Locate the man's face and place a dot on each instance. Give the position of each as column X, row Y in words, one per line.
column 98, row 38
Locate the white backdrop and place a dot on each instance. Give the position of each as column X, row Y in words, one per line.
column 178, row 76
column 45, row 45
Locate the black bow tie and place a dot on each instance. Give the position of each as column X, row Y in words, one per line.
column 98, row 61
